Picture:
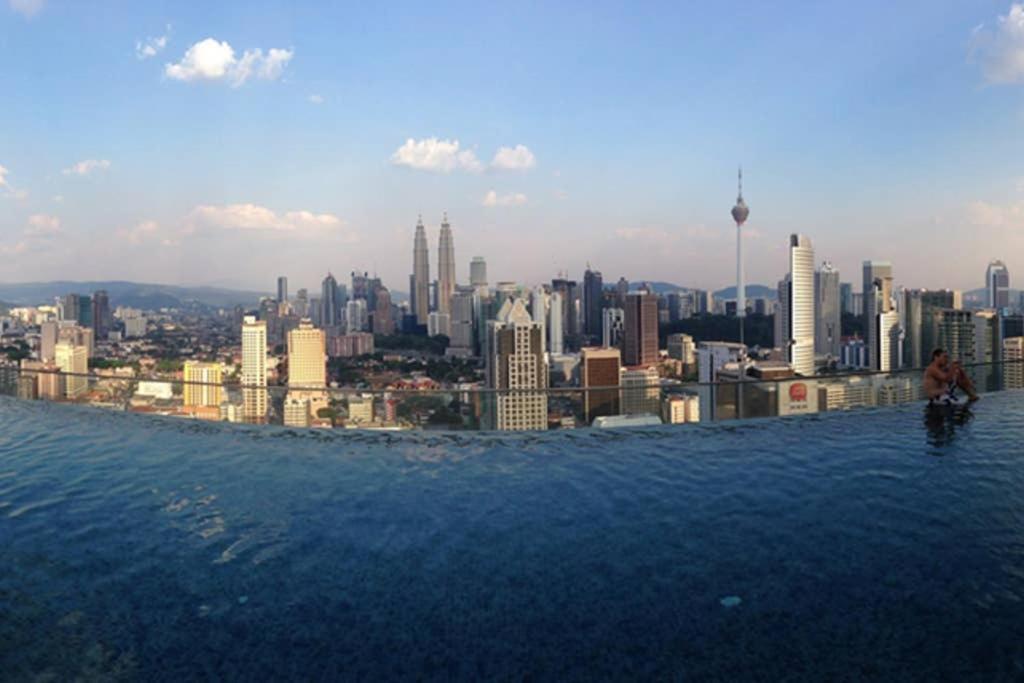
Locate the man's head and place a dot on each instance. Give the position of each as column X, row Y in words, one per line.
column 940, row 356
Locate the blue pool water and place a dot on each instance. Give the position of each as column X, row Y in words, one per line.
column 862, row 546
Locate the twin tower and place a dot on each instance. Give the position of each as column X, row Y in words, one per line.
column 419, row 281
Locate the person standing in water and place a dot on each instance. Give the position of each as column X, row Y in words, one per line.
column 942, row 378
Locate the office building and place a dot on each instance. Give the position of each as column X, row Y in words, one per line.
column 202, row 384
column 539, row 312
column 302, row 303
column 1013, row 363
column 515, row 361
column 988, row 350
column 997, row 286
column 613, row 322
column 445, row 268
column 556, row 331
column 73, row 362
column 593, row 296
column 350, row 345
column 254, row 369
column 828, row 313
column 47, row 340
column 956, row 330
column 355, row 316
column 462, row 338
column 102, row 317
column 640, row 329
column 641, row 391
column 800, row 306
column 846, row 298
column 68, row 307
column 307, row 357
column 282, row 289
column 330, row 306
column 681, row 347
column 383, row 320
column 438, row 324
column 420, row 291
column 478, row 275
column 877, row 297
column 599, row 367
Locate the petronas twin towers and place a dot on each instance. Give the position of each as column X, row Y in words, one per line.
column 420, row 281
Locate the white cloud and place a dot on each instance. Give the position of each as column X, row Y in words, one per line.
column 42, row 225
column 6, row 186
column 316, row 99
column 518, row 158
column 253, row 218
column 213, row 60
column 1000, row 50
column 645, row 234
column 492, row 199
column 151, row 47
column 26, row 8
column 141, row 232
column 86, row 167
column 439, row 156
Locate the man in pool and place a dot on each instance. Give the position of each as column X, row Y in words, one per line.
column 942, row 378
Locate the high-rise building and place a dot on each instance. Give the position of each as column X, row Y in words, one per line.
column 877, row 295
column 85, row 311
column 360, row 285
column 307, row 357
column 73, row 362
column 439, row 324
column 956, row 334
column 681, row 347
column 478, row 275
column 445, row 267
column 621, row 290
column 988, row 349
column 282, row 289
column 641, row 392
column 202, row 384
column 640, row 333
column 47, row 340
column 68, row 308
column 539, row 312
column 556, row 331
column 355, row 316
column 383, row 322
column 846, row 298
column 515, row 361
column 599, row 367
column 1013, row 363
column 828, row 316
column 997, row 285
column 254, row 369
column 800, row 309
column 921, row 308
column 613, row 322
column 593, row 295
column 462, row 341
column 102, row 318
column 420, row 293
column 330, row 306
column 302, row 303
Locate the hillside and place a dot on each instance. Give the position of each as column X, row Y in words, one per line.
column 134, row 294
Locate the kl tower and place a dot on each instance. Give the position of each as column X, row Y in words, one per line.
column 740, row 212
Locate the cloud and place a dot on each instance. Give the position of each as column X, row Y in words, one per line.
column 316, row 99
column 6, row 186
column 492, row 199
column 86, row 167
column 984, row 214
column 252, row 218
column 999, row 50
column 518, row 158
column 645, row 234
column 151, row 47
column 42, row 225
column 212, row 60
column 142, row 232
column 438, row 156
column 26, row 8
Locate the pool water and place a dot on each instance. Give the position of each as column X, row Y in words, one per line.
column 864, row 546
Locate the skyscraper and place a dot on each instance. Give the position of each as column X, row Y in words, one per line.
column 593, row 294
column 73, row 359
column 445, row 267
column 640, row 333
column 846, row 298
column 307, row 374
column 101, row 315
column 556, row 331
column 539, row 311
column 740, row 213
column 478, row 274
column 600, row 367
column 877, row 300
column 383, row 323
column 420, row 275
column 254, row 369
column 330, row 307
column 462, row 337
column 515, row 361
column 997, row 285
column 69, row 306
column 988, row 348
column 921, row 309
column 1013, row 363
column 355, row 316
column 800, row 316
column 828, row 318
column 282, row 289
column 621, row 290
column 956, row 334
column 201, row 384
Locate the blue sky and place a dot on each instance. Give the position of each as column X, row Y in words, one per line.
column 587, row 132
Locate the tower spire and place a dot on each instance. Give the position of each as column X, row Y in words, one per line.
column 739, row 182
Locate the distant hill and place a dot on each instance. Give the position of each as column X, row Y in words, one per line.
column 753, row 292
column 133, row 294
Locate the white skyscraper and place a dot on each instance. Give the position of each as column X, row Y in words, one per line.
column 355, row 316
column 445, row 268
column 515, row 361
column 1013, row 363
column 420, row 275
column 556, row 333
column 254, row 369
column 997, row 286
column 538, row 311
column 800, row 316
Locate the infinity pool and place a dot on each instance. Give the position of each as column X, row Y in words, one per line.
column 870, row 545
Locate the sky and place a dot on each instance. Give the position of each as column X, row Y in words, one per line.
column 228, row 143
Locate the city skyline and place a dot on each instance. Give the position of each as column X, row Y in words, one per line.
column 316, row 159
